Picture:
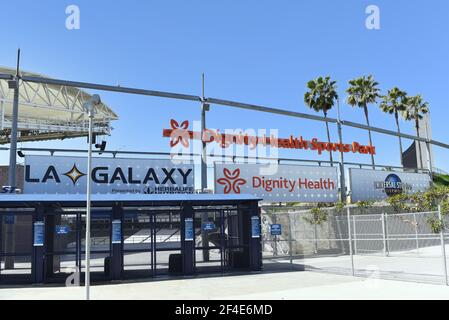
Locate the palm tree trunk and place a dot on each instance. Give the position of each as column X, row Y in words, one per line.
column 396, row 115
column 365, row 108
column 420, row 164
column 328, row 138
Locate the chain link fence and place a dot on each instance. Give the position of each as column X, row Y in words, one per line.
column 380, row 245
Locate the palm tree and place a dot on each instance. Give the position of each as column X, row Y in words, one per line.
column 321, row 97
column 416, row 108
column 362, row 92
column 393, row 103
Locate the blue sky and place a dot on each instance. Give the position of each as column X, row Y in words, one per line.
column 261, row 52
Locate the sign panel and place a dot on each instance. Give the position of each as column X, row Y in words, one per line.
column 276, row 229
column 39, row 234
column 278, row 183
column 68, row 175
column 189, row 230
column 209, row 227
column 116, row 232
column 255, row 227
column 10, row 219
column 372, row 185
column 180, row 135
column 62, row 230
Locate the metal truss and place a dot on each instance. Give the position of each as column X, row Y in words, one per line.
column 49, row 111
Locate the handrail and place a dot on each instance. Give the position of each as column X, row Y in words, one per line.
column 171, row 236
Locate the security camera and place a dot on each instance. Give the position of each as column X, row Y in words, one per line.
column 96, row 100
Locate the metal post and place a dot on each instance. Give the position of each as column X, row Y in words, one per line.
column 355, row 234
column 2, row 118
column 89, row 189
column 429, row 160
column 275, row 251
column 429, row 154
column 342, row 166
column 204, row 215
column 10, row 234
column 384, row 234
column 95, row 100
column 290, row 242
column 204, row 146
column 416, row 232
column 15, row 118
column 443, row 248
column 350, row 240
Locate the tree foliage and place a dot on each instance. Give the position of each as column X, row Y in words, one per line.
column 394, row 102
column 317, row 216
column 424, row 201
column 321, row 94
column 363, row 91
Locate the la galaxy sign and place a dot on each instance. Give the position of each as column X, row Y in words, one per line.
column 67, row 175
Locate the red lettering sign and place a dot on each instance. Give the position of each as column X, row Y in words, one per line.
column 179, row 134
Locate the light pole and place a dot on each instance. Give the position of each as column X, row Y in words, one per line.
column 12, row 181
column 89, row 106
column 14, row 84
column 204, row 215
column 343, row 197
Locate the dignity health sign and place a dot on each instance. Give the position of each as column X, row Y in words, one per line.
column 278, row 183
column 379, row 185
column 68, row 175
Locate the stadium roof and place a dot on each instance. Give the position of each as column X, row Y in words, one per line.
column 49, row 111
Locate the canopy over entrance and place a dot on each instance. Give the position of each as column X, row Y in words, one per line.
column 48, row 112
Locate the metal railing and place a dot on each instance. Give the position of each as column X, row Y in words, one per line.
column 215, row 101
column 381, row 245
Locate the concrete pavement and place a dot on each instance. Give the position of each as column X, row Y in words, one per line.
column 274, row 286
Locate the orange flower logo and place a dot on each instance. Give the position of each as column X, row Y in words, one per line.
column 179, row 133
column 232, row 181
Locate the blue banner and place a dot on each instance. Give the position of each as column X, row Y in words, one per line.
column 39, row 228
column 255, row 227
column 116, row 232
column 189, row 230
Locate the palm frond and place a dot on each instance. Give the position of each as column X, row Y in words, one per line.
column 322, row 94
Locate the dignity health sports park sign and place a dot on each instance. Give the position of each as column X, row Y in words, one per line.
column 67, row 175
column 379, row 185
column 180, row 134
column 278, row 183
